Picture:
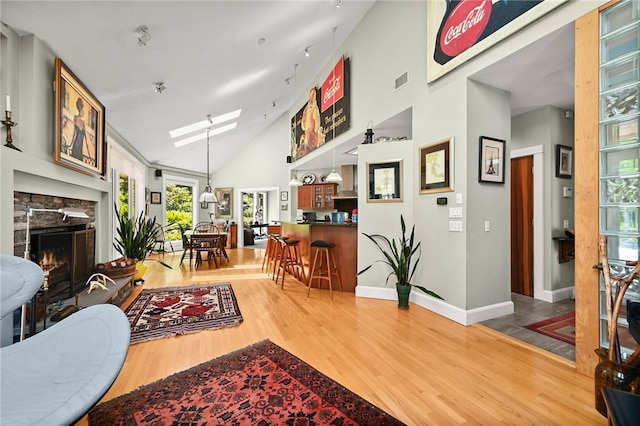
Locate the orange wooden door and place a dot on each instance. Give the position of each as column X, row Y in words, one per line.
column 522, row 225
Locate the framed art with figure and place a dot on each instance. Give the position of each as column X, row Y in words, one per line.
column 564, row 161
column 79, row 122
column 491, row 167
column 385, row 182
column 436, row 167
column 224, row 208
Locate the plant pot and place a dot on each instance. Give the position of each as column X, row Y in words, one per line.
column 403, row 296
column 141, row 268
column 613, row 375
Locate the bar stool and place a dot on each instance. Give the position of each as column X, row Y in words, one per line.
column 290, row 261
column 276, row 255
column 269, row 252
column 321, row 268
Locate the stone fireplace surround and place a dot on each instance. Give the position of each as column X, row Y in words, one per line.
column 45, row 220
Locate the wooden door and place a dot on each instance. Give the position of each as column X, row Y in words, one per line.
column 522, row 225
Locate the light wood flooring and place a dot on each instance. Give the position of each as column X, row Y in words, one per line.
column 420, row 367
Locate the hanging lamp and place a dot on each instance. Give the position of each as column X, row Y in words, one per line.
column 294, row 180
column 334, row 176
column 208, row 196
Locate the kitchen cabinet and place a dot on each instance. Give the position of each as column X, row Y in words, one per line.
column 317, row 196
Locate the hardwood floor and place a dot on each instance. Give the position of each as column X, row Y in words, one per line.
column 420, row 367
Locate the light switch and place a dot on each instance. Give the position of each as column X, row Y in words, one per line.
column 455, row 226
column 455, row 211
column 487, row 226
column 459, row 198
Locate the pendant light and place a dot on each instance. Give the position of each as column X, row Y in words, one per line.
column 208, row 196
column 294, row 180
column 334, row 176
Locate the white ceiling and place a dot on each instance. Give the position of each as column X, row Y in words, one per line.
column 208, row 56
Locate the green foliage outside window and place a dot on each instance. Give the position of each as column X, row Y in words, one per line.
column 179, row 202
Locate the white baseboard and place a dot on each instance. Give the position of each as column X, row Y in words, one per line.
column 440, row 307
column 557, row 295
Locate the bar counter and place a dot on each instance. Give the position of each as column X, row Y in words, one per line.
column 343, row 235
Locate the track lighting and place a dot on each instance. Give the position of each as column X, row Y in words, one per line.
column 287, row 82
column 143, row 35
column 306, row 52
column 339, row 4
column 160, row 87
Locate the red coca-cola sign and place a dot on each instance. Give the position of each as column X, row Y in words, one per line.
column 464, row 26
column 333, row 86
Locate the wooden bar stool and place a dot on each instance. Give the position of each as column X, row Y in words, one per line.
column 278, row 252
column 269, row 252
column 290, row 261
column 322, row 268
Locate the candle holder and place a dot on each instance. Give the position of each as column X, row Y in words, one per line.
column 9, row 124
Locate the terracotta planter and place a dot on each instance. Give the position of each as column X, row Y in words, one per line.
column 613, row 375
column 403, row 296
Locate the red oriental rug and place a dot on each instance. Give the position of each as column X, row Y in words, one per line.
column 562, row 327
column 167, row 312
column 261, row 384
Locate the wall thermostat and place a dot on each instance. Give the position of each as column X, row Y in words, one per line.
column 567, row 192
column 442, row 201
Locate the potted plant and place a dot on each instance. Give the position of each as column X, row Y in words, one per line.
column 135, row 239
column 403, row 257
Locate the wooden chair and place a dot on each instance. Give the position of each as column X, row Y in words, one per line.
column 206, row 238
column 187, row 245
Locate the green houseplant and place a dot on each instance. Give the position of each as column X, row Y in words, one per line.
column 403, row 257
column 135, row 239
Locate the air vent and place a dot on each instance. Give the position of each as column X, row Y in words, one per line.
column 401, row 81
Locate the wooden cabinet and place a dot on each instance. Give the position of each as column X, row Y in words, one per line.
column 317, row 196
column 232, row 236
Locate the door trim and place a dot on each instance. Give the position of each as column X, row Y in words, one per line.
column 538, row 216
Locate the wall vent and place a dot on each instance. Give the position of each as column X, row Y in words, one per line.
column 401, row 81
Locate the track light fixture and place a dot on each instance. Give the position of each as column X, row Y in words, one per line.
column 143, row 35
column 339, row 4
column 306, row 52
column 160, row 87
column 287, row 82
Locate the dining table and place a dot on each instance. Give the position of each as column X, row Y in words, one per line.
column 213, row 243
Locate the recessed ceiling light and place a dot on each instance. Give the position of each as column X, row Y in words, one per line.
column 181, row 131
column 201, row 136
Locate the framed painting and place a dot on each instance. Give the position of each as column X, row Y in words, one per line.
column 79, row 124
column 436, row 167
column 224, row 207
column 156, row 198
column 385, row 182
column 491, row 167
column 284, row 196
column 564, row 161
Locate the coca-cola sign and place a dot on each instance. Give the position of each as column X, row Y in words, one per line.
column 333, row 86
column 464, row 26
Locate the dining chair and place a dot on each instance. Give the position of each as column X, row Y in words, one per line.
column 187, row 245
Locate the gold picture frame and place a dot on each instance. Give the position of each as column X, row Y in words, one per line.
column 436, row 167
column 79, row 124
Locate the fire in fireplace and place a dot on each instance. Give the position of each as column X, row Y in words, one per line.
column 68, row 254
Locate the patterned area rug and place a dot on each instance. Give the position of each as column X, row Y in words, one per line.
column 261, row 384
column 562, row 327
column 167, row 312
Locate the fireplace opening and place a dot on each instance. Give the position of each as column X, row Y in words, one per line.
column 67, row 254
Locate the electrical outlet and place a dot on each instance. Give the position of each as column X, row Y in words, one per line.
column 565, row 224
column 487, row 226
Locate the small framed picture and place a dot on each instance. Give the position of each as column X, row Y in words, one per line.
column 284, row 196
column 385, row 182
column 564, row 161
column 284, row 207
column 491, row 167
column 436, row 167
column 147, row 195
column 156, row 198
